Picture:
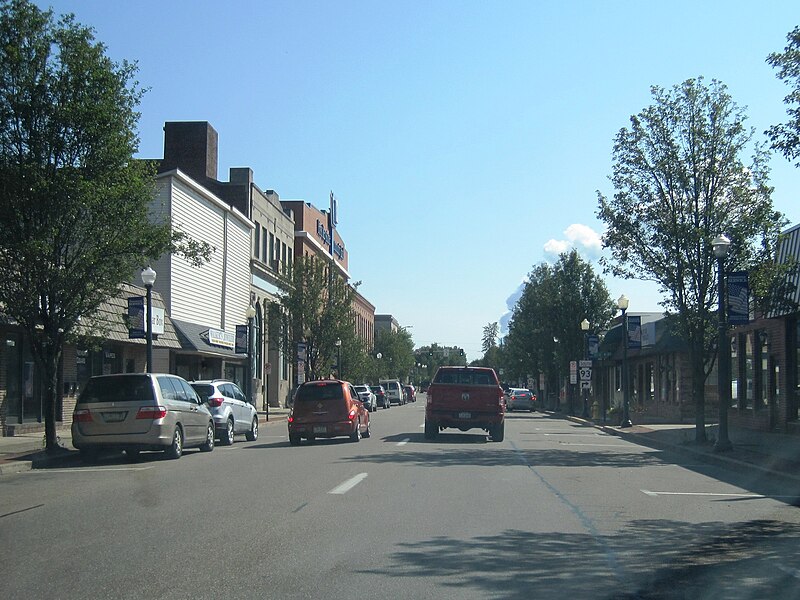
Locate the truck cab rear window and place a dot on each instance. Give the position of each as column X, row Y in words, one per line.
column 464, row 378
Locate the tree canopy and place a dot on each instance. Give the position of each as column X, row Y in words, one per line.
column 680, row 179
column 544, row 333
column 73, row 203
column 785, row 137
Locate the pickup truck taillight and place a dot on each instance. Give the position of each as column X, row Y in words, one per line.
column 152, row 412
column 82, row 415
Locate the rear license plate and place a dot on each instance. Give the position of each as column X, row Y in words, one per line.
column 464, row 415
column 320, row 429
column 113, row 417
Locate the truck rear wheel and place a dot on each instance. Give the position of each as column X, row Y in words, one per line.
column 431, row 430
column 498, row 432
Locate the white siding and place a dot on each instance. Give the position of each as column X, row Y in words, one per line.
column 237, row 292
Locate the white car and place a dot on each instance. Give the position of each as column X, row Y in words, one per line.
column 367, row 398
column 231, row 410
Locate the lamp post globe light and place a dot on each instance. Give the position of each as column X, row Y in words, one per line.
column 622, row 304
column 721, row 244
column 148, row 279
column 584, row 392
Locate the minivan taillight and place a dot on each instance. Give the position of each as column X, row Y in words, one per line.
column 152, row 412
column 82, row 415
column 216, row 401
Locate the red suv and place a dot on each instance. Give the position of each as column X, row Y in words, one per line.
column 325, row 409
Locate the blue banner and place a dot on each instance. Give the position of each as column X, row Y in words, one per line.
column 635, row 332
column 241, row 339
column 738, row 298
column 136, row 310
column 593, row 343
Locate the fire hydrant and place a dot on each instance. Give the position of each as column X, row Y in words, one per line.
column 595, row 411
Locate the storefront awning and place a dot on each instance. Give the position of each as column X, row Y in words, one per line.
column 202, row 339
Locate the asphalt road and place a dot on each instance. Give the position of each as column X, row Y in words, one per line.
column 557, row 510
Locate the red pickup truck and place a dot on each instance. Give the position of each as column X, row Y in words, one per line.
column 465, row 398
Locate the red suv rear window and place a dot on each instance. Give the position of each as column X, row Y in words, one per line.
column 319, row 392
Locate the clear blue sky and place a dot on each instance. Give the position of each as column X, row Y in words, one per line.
column 465, row 140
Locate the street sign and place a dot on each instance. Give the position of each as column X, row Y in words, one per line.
column 585, row 385
column 573, row 372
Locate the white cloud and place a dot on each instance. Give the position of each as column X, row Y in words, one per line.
column 583, row 238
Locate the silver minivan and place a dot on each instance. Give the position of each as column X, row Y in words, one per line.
column 140, row 411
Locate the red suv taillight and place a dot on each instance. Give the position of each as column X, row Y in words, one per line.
column 152, row 412
column 216, row 401
column 82, row 415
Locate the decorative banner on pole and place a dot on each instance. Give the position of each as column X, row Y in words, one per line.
column 635, row 332
column 136, row 321
column 241, row 339
column 593, row 342
column 738, row 298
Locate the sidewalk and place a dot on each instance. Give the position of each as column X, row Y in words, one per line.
column 759, row 451
column 23, row 452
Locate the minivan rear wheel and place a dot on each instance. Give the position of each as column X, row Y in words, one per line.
column 175, row 450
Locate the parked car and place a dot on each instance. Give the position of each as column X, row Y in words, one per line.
column 380, row 396
column 367, row 397
column 326, row 409
column 410, row 393
column 231, row 411
column 132, row 412
column 394, row 391
column 519, row 399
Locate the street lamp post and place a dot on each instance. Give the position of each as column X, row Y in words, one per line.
column 721, row 245
column 585, row 329
column 148, row 279
column 339, row 358
column 622, row 304
column 250, row 313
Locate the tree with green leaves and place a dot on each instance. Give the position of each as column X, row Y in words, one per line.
column 490, row 333
column 544, row 333
column 397, row 353
column 786, row 136
column 73, row 203
column 680, row 179
column 317, row 309
column 435, row 356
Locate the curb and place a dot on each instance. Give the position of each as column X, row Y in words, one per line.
column 715, row 459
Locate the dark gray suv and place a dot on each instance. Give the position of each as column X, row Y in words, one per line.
column 230, row 408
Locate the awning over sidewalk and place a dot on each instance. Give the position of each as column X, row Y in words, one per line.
column 202, row 339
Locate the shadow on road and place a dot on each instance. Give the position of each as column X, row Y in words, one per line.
column 648, row 559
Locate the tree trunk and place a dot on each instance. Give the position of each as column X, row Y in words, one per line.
column 698, row 393
column 51, row 360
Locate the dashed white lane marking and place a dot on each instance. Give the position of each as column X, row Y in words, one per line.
column 404, row 442
column 349, row 484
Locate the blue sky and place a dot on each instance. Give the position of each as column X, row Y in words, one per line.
column 465, row 140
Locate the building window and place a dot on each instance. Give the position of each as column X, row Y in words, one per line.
column 735, row 377
column 272, row 250
column 257, row 242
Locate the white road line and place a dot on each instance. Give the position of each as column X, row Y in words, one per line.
column 349, row 484
column 404, row 442
column 731, row 495
column 604, row 445
column 85, row 469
